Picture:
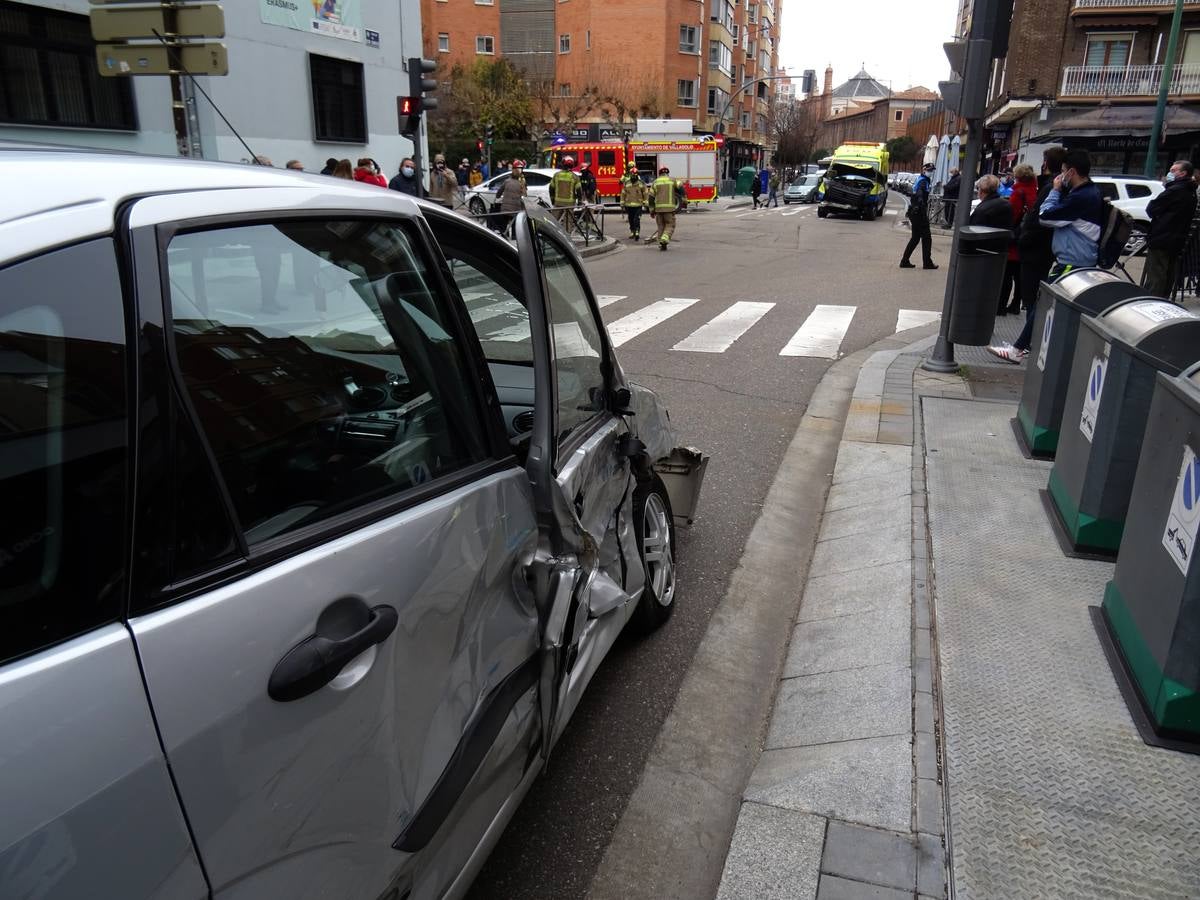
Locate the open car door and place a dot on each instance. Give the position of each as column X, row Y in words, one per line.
column 583, row 465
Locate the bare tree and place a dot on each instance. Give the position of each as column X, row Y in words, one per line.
column 794, row 127
column 621, row 98
column 560, row 107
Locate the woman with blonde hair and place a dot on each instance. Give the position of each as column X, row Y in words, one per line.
column 343, row 169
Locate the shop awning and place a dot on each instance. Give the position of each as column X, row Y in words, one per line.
column 1120, row 121
column 1011, row 111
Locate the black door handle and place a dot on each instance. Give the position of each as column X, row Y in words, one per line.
column 346, row 628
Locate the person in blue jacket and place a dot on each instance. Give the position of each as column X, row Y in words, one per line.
column 918, row 218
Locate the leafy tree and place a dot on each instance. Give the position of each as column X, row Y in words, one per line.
column 903, row 149
column 486, row 91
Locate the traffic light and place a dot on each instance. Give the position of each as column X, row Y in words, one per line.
column 408, row 111
column 991, row 21
column 418, row 99
column 487, row 134
column 479, row 145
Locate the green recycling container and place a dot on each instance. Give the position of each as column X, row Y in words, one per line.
column 745, row 179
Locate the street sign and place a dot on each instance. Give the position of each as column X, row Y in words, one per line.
column 117, row 23
column 115, row 60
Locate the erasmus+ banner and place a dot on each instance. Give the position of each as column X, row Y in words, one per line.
column 335, row 18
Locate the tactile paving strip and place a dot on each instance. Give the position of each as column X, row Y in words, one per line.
column 1052, row 793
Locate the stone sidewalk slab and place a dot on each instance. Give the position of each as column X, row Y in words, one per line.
column 876, row 638
column 841, row 706
column 775, row 855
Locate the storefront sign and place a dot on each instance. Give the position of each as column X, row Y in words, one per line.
column 333, row 18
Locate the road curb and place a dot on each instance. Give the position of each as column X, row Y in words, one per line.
column 605, row 246
column 673, row 836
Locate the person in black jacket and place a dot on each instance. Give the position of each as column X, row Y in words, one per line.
column 405, row 181
column 993, row 211
column 1170, row 220
column 950, row 191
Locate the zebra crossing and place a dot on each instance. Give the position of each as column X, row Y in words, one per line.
column 820, row 335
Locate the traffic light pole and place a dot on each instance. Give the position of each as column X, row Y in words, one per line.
column 972, row 106
column 1164, row 87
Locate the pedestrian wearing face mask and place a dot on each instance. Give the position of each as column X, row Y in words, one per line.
column 1006, row 185
column 443, row 185
column 1170, row 221
column 405, row 181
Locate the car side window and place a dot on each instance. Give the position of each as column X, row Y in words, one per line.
column 500, row 320
column 578, row 349
column 321, row 366
column 536, row 179
column 498, row 182
column 64, row 454
column 1137, row 191
column 1107, row 190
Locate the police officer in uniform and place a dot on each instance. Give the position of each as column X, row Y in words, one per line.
column 633, row 198
column 665, row 195
column 565, row 192
column 918, row 217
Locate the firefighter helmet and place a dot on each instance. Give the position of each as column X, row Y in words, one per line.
column 664, row 170
column 568, row 162
column 518, row 164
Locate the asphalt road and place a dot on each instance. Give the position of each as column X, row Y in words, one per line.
column 741, row 406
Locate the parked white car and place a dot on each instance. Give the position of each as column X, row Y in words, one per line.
column 481, row 197
column 1131, row 193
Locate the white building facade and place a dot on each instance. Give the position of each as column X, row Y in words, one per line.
column 308, row 80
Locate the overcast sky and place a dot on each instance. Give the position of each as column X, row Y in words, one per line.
column 898, row 43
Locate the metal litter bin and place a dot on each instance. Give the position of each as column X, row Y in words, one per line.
column 1082, row 293
column 978, row 277
column 1108, row 399
column 1152, row 605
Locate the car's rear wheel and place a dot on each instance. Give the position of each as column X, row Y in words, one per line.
column 822, row 212
column 654, row 528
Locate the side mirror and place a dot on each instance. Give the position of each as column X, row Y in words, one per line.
column 621, row 400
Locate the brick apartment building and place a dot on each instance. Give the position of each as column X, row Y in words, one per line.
column 682, row 58
column 1085, row 74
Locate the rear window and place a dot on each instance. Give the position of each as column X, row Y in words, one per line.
column 1108, row 190
column 1137, row 191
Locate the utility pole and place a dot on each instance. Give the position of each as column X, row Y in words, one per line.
column 972, row 60
column 1164, row 87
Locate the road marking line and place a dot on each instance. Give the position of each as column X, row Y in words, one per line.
column 719, row 334
column 793, row 212
column 822, row 332
column 604, row 300
column 911, row 318
column 889, row 212
column 630, row 326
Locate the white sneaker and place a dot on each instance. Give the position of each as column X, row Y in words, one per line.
column 1008, row 353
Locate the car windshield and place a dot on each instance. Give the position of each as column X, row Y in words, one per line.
column 806, row 181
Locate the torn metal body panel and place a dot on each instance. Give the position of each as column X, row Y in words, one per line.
column 682, row 473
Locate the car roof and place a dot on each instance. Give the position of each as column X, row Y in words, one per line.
column 55, row 197
column 1123, row 178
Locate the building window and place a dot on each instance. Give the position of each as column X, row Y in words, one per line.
column 485, row 43
column 587, row 39
column 48, row 61
column 687, row 39
column 737, row 29
column 722, row 11
column 443, row 43
column 1108, row 49
column 720, row 57
column 564, row 43
column 752, row 13
column 899, row 115
column 717, row 99
column 484, row 2
column 745, row 119
column 687, row 92
column 564, row 90
column 339, row 103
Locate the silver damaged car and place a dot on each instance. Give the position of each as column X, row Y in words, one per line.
column 322, row 507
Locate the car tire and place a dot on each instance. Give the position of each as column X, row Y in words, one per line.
column 476, row 206
column 786, row 201
column 822, row 212
column 654, row 530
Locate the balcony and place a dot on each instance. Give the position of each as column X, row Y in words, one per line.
column 1128, row 81
column 1082, row 7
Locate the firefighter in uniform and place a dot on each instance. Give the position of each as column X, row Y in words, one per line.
column 565, row 192
column 665, row 196
column 633, row 198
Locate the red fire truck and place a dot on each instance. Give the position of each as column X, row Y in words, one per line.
column 693, row 161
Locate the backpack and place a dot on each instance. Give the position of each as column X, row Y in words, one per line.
column 1114, row 235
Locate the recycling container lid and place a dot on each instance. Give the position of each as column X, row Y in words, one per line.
column 1093, row 290
column 1158, row 332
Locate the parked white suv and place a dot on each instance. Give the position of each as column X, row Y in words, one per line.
column 1131, row 193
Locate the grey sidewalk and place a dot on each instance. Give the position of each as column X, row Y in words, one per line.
column 943, row 649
